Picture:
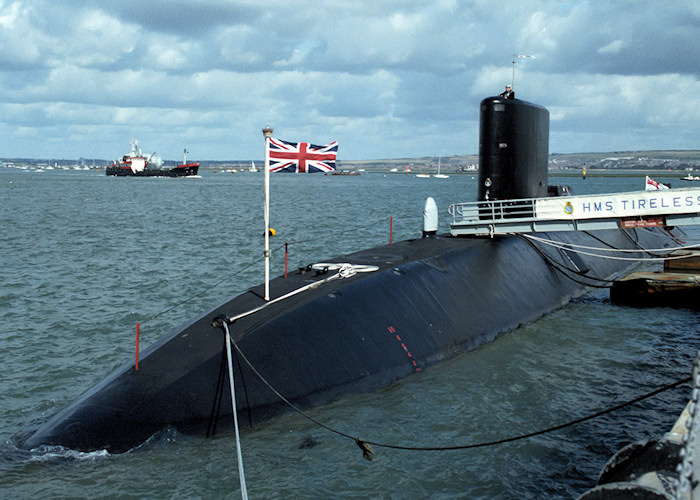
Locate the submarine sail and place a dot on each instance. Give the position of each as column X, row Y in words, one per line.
column 513, row 149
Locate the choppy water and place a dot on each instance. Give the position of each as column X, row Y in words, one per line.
column 83, row 257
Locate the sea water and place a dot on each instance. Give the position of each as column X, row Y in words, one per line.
column 84, row 257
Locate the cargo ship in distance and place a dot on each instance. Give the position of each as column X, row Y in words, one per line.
column 136, row 164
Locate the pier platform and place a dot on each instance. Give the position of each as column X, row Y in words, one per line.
column 677, row 286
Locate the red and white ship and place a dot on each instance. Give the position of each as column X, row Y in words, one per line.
column 136, row 164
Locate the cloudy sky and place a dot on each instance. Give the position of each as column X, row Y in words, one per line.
column 387, row 79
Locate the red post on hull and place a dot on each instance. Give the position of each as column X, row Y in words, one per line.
column 136, row 366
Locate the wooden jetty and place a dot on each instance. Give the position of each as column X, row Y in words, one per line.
column 677, row 286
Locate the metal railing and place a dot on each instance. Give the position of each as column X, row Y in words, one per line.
column 492, row 211
column 573, row 213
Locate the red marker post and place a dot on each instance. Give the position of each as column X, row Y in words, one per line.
column 136, row 367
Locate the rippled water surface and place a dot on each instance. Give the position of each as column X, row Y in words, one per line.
column 84, row 257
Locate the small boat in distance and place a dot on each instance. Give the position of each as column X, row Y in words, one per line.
column 343, row 172
column 136, row 164
column 439, row 175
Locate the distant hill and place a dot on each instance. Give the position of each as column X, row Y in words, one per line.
column 680, row 160
column 447, row 163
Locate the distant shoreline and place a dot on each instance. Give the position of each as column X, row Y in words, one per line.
column 674, row 163
column 621, row 173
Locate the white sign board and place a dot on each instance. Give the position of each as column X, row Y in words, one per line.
column 633, row 204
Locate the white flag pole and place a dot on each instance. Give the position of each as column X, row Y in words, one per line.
column 267, row 132
column 518, row 56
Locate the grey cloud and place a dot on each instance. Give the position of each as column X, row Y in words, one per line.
column 377, row 75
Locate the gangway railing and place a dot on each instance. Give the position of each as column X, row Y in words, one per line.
column 671, row 207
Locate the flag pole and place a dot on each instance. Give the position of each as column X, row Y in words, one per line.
column 515, row 57
column 267, row 132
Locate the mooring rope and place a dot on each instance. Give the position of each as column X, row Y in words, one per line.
column 239, row 455
column 580, row 249
column 365, row 444
column 564, row 269
column 216, row 404
column 280, row 396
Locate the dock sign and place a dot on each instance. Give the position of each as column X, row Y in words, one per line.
column 633, row 204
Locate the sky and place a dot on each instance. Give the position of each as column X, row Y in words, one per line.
column 386, row 79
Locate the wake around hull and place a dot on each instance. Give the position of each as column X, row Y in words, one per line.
column 429, row 300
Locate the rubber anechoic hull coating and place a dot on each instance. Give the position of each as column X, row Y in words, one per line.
column 428, row 300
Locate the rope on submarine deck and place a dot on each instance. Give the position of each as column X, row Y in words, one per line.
column 366, row 445
column 345, row 270
column 239, row 455
column 568, row 271
column 580, row 249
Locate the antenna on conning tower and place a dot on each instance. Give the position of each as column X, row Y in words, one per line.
column 515, row 58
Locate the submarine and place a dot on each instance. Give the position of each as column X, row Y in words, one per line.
column 358, row 322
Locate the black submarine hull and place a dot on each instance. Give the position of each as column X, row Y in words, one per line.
column 428, row 300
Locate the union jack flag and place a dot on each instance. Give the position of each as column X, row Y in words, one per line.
column 302, row 157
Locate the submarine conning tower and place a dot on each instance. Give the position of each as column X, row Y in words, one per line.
column 513, row 149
